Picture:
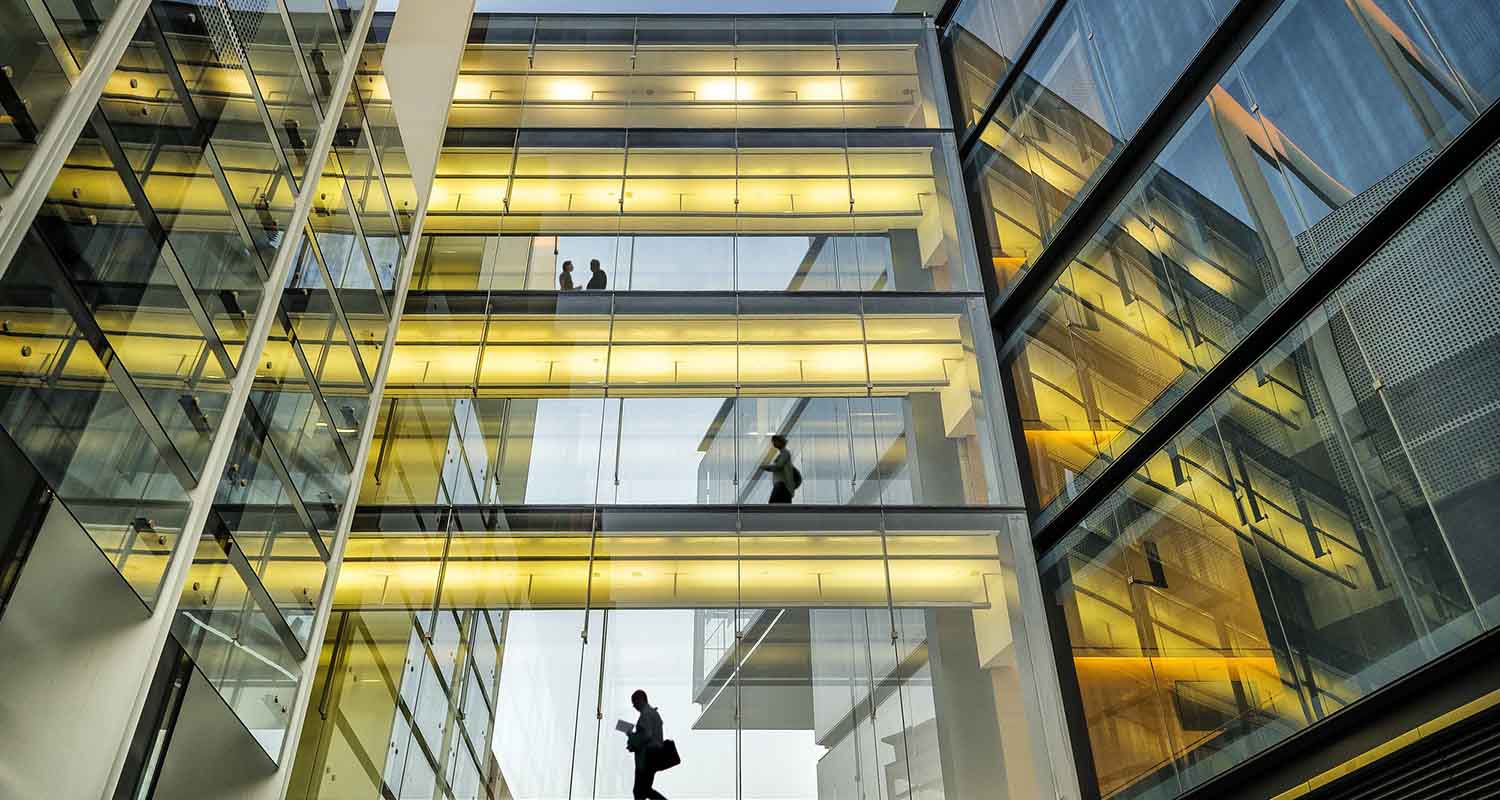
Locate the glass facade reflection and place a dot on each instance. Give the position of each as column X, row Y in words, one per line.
column 424, row 723
column 45, row 45
column 1132, row 439
column 1278, row 561
column 1291, row 548
column 1237, row 211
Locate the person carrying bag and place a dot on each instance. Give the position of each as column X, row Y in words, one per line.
column 653, row 751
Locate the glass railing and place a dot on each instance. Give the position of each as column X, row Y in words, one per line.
column 673, row 399
column 44, row 45
column 718, row 210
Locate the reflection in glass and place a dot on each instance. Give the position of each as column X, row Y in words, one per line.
column 233, row 640
column 1310, row 538
column 1252, row 195
column 45, row 44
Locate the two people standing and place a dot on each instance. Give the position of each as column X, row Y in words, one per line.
column 598, row 278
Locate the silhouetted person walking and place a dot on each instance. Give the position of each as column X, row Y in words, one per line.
column 645, row 737
column 597, row 277
column 784, row 477
column 565, row 280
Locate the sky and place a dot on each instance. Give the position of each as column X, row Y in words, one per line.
column 542, row 696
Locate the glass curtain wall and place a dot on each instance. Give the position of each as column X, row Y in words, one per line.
column 128, row 309
column 1314, row 534
column 774, row 207
column 1251, row 196
column 1319, row 531
column 1095, row 74
column 45, row 45
column 405, row 707
column 871, row 653
column 288, row 474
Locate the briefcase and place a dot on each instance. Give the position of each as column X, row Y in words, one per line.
column 665, row 757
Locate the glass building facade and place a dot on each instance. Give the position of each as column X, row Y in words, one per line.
column 375, row 441
column 1257, row 488
column 378, row 423
column 173, row 311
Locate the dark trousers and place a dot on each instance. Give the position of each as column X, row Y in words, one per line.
column 780, row 494
column 642, row 789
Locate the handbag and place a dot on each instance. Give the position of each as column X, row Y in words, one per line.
column 664, row 756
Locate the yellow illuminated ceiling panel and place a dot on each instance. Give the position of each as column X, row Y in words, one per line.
column 794, row 196
column 565, row 195
column 673, row 329
column 568, row 163
column 761, row 190
column 684, row 59
column 661, row 570
column 678, row 354
column 786, row 59
column 670, row 365
column 792, row 163
column 647, row 162
column 542, row 329
column 680, row 195
column 592, row 59
column 542, row 365
column 791, row 329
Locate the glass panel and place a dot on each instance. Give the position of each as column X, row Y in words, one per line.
column 371, row 202
column 1301, row 544
column 365, row 726
column 317, row 34
column 45, row 44
column 1456, row 28
column 187, row 123
column 664, row 213
column 407, row 453
column 1250, row 196
column 530, row 558
column 885, row 75
column 541, row 683
column 1143, row 46
column 979, row 61
column 984, row 38
column 392, row 560
column 477, row 713
column 1101, row 68
column 125, row 276
column 80, row 433
column 345, row 254
column 958, row 656
column 262, row 38
column 1109, row 346
column 233, row 642
column 643, row 650
column 653, row 451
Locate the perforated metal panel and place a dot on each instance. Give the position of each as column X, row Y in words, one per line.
column 1460, row 762
column 233, row 22
column 1319, row 242
column 1424, row 315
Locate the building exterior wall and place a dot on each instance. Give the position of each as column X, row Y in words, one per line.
column 1307, row 536
column 209, row 239
column 196, row 226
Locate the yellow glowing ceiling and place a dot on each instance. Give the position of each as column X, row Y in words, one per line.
column 675, row 353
